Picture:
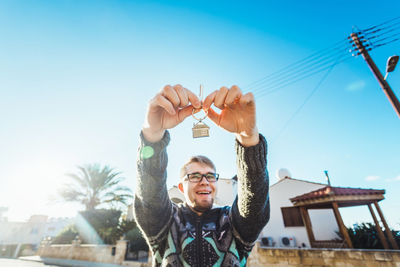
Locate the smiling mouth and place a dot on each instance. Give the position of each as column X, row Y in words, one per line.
column 203, row 192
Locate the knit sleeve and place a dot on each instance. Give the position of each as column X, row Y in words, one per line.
column 152, row 206
column 251, row 209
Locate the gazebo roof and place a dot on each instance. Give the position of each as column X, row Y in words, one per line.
column 344, row 196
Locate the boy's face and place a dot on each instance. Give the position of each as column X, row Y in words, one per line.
column 199, row 196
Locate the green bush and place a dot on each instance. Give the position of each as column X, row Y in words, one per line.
column 104, row 222
column 365, row 236
column 136, row 240
column 102, row 227
column 131, row 232
column 66, row 235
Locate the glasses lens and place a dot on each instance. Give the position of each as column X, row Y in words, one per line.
column 211, row 177
column 195, row 177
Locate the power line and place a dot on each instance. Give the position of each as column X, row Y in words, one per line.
column 388, row 30
column 308, row 66
column 300, row 73
column 392, row 41
column 388, row 37
column 376, row 26
column 322, row 60
column 296, row 66
column 325, row 58
column 382, row 34
column 378, row 43
column 306, row 100
column 366, row 35
column 273, row 90
column 309, row 70
column 297, row 63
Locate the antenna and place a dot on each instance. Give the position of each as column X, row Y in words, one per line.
column 327, row 178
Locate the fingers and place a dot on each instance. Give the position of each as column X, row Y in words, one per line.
column 193, row 98
column 174, row 97
column 209, row 100
column 178, row 98
column 247, row 99
column 219, row 100
column 164, row 103
column 171, row 94
column 183, row 97
column 214, row 116
column 233, row 96
column 223, row 97
column 184, row 113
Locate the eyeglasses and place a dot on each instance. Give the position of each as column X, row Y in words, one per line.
column 196, row 177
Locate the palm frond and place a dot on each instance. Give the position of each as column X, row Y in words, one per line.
column 94, row 185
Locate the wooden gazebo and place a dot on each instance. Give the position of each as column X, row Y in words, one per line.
column 335, row 197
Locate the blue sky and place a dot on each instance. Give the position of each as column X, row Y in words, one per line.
column 76, row 76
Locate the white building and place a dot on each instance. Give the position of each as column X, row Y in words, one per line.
column 280, row 194
column 15, row 234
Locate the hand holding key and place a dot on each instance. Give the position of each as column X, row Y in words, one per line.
column 238, row 113
column 167, row 109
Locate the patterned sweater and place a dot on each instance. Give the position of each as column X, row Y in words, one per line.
column 219, row 237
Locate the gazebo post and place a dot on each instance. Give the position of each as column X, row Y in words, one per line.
column 387, row 229
column 342, row 227
column 378, row 228
column 307, row 222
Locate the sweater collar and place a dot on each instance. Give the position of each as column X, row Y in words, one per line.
column 207, row 214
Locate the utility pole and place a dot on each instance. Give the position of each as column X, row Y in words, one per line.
column 378, row 75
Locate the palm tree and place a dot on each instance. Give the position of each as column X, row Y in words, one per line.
column 94, row 185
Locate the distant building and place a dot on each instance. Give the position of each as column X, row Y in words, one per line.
column 14, row 235
column 2, row 211
column 285, row 222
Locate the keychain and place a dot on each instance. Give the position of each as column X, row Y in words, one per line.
column 200, row 129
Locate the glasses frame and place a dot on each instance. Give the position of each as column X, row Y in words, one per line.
column 202, row 176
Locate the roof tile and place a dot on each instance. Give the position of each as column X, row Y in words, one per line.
column 337, row 191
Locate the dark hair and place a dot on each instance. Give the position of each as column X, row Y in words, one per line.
column 197, row 159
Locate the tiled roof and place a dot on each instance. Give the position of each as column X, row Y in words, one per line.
column 336, row 191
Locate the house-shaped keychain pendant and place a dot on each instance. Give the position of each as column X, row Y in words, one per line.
column 200, row 129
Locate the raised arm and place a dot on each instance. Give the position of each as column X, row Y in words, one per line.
column 152, row 204
column 250, row 211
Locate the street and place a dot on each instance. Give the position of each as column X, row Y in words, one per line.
column 21, row 263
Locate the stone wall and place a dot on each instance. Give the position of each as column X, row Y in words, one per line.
column 295, row 257
column 260, row 256
column 90, row 253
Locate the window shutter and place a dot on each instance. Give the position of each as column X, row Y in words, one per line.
column 292, row 216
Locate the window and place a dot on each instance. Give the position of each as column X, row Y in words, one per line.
column 292, row 216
